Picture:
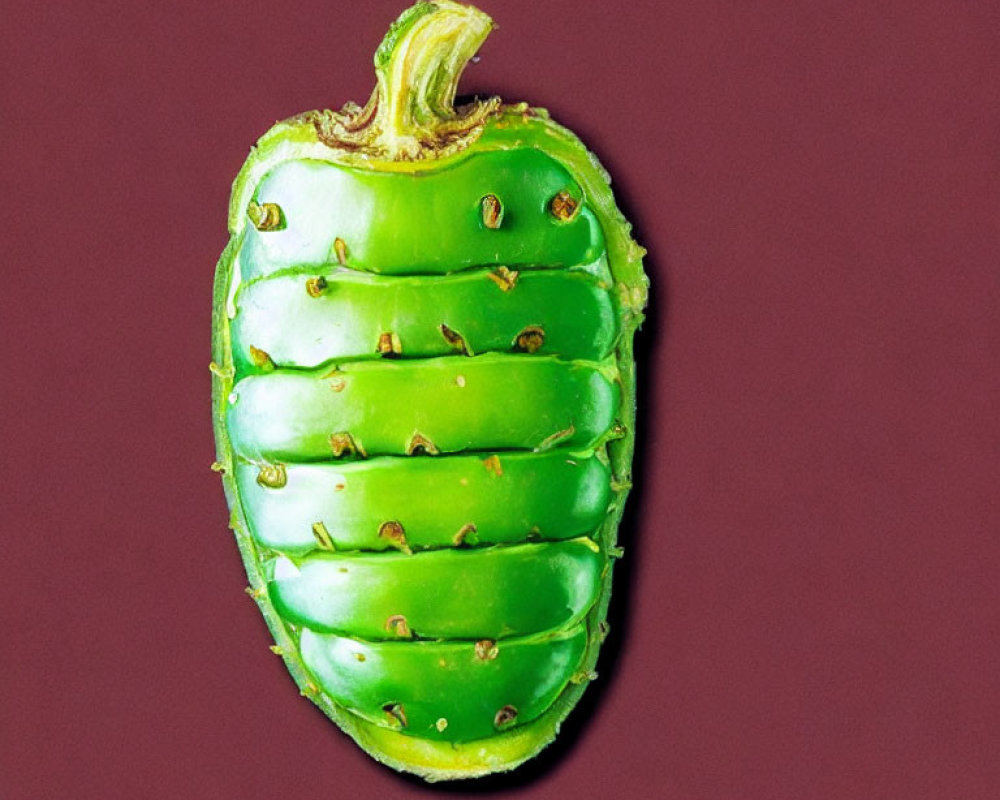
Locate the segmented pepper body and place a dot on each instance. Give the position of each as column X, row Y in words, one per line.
column 424, row 410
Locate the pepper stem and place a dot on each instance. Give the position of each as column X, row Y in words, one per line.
column 411, row 114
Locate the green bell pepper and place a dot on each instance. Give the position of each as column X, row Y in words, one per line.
column 423, row 400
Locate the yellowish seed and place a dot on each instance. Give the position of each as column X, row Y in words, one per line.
column 396, row 713
column 265, row 216
column 392, row 531
column 316, row 286
column 337, row 380
column 322, row 536
column 397, row 625
column 505, row 278
column 505, row 716
column 464, row 532
column 340, row 249
column 486, row 650
column 492, row 464
column 563, row 206
column 492, row 211
column 272, row 476
column 455, row 339
column 421, row 444
column 388, row 344
column 260, row 359
column 530, row 340
column 550, row 441
column 343, row 443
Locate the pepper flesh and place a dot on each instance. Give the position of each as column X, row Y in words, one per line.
column 342, row 497
column 424, row 406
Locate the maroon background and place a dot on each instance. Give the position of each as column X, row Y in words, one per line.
column 809, row 603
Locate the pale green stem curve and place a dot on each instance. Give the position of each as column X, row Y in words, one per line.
column 417, row 67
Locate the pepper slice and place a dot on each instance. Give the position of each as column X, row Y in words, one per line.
column 447, row 691
column 469, row 313
column 457, row 594
column 353, row 500
column 394, row 224
column 458, row 404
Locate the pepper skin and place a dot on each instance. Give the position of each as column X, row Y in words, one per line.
column 423, row 400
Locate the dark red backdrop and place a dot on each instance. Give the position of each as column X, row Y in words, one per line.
column 809, row 603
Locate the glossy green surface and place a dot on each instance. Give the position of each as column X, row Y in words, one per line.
column 484, row 403
column 429, row 682
column 553, row 495
column 278, row 316
column 480, row 593
column 387, row 205
column 425, row 223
